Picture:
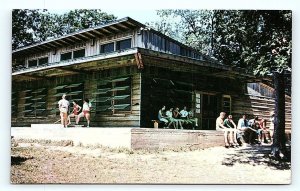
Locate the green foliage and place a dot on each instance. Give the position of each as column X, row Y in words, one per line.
column 31, row 26
column 191, row 27
column 24, row 22
column 257, row 40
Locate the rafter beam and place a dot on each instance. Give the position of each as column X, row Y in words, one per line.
column 83, row 36
column 98, row 32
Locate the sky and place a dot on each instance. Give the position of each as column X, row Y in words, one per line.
column 142, row 11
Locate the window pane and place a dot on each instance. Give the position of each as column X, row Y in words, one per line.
column 124, row 44
column 105, row 48
column 32, row 63
column 79, row 53
column 43, row 61
column 66, row 56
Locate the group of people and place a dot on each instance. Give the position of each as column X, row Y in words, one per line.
column 64, row 105
column 176, row 118
column 254, row 130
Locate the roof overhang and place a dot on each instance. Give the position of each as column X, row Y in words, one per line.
column 112, row 28
column 76, row 66
column 205, row 67
column 109, row 60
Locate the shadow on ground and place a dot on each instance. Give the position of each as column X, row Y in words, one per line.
column 18, row 160
column 257, row 155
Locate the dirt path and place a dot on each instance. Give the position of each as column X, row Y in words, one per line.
column 32, row 163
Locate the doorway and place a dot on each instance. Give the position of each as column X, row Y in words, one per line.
column 206, row 110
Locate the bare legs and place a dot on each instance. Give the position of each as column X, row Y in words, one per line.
column 87, row 117
column 64, row 119
column 69, row 118
column 230, row 137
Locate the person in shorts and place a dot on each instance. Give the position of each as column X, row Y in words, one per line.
column 86, row 112
column 63, row 106
column 75, row 112
column 227, row 132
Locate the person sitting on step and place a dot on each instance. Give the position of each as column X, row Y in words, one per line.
column 75, row 112
column 244, row 129
column 86, row 108
column 229, row 123
column 227, row 133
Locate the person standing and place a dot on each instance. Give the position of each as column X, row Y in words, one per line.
column 63, row 106
column 271, row 129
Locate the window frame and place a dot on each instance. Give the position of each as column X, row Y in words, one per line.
column 66, row 53
column 118, row 41
column 73, row 53
column 230, row 104
column 28, row 63
column 107, row 43
column 43, row 58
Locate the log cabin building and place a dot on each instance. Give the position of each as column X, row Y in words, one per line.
column 129, row 71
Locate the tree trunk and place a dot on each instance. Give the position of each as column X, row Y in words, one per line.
column 278, row 146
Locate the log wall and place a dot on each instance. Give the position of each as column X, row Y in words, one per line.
column 88, row 86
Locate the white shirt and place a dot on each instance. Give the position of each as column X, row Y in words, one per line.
column 85, row 107
column 63, row 103
column 184, row 113
column 169, row 114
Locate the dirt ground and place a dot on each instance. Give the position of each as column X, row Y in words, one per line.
column 37, row 163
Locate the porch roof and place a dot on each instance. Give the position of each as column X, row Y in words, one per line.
column 91, row 64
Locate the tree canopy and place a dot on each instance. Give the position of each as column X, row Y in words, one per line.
column 34, row 25
column 257, row 40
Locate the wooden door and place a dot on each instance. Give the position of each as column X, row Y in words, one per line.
column 206, row 105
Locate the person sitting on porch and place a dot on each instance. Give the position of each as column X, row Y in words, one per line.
column 176, row 115
column 255, row 135
column 75, row 112
column 184, row 114
column 220, row 127
column 192, row 120
column 265, row 133
column 170, row 118
column 63, row 106
column 86, row 108
column 244, row 128
column 161, row 117
column 229, row 123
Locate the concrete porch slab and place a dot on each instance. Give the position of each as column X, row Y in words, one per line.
column 131, row 138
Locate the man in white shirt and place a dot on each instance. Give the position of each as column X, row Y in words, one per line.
column 63, row 106
column 184, row 113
